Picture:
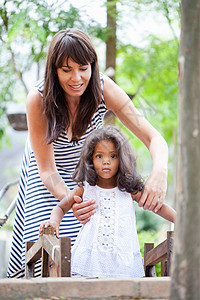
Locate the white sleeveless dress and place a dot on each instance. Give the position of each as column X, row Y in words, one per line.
column 107, row 246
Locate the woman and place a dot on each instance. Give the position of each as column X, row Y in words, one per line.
column 62, row 110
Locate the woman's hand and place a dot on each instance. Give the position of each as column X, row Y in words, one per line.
column 154, row 191
column 83, row 210
column 52, row 224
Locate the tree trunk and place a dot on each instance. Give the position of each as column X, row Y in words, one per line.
column 111, row 40
column 186, row 258
column 111, row 50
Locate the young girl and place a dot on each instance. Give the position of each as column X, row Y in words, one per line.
column 107, row 246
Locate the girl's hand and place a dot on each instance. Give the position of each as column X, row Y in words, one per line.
column 154, row 191
column 83, row 210
column 52, row 224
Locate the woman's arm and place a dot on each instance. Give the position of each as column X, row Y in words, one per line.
column 156, row 185
column 60, row 210
column 44, row 153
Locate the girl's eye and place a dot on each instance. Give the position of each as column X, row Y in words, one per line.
column 99, row 156
column 114, row 156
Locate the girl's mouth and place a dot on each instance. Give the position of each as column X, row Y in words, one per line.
column 106, row 170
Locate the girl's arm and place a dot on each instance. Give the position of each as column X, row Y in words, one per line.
column 60, row 210
column 165, row 211
column 44, row 153
column 156, row 185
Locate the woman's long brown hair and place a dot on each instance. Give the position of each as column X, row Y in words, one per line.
column 74, row 44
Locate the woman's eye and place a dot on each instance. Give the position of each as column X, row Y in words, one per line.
column 83, row 69
column 66, row 70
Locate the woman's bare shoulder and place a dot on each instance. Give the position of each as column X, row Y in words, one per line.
column 34, row 99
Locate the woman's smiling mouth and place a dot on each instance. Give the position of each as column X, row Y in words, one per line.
column 76, row 87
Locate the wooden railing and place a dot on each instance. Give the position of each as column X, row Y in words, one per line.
column 48, row 245
column 162, row 253
column 60, row 252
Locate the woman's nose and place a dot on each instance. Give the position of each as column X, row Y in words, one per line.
column 76, row 75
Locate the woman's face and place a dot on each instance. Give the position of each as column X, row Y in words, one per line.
column 74, row 78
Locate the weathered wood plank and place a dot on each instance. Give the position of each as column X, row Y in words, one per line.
column 45, row 264
column 164, row 268
column 149, row 270
column 49, row 231
column 29, row 270
column 49, row 246
column 52, row 246
column 157, row 254
column 34, row 253
column 170, row 241
column 65, row 257
column 29, row 267
column 84, row 288
column 29, row 245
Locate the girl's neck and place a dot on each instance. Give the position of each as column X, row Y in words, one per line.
column 106, row 183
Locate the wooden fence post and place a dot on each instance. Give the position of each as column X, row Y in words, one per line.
column 65, row 257
column 150, row 270
column 45, row 264
column 30, row 267
column 169, row 250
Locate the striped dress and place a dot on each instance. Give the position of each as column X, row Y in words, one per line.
column 35, row 202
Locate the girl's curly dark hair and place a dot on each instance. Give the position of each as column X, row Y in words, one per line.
column 127, row 178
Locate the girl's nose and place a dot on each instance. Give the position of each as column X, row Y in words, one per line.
column 106, row 160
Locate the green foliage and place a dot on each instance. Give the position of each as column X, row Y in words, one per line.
column 147, row 220
column 150, row 74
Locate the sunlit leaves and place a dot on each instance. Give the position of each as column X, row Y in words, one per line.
column 151, row 73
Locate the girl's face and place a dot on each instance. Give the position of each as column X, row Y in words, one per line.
column 74, row 78
column 106, row 163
